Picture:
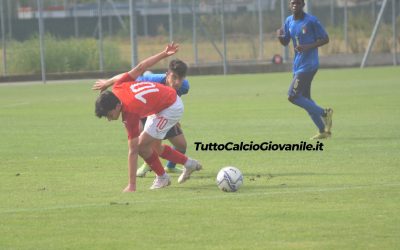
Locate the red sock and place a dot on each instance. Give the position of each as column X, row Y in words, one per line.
column 155, row 164
column 172, row 155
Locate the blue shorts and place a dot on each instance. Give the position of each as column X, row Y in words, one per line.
column 301, row 85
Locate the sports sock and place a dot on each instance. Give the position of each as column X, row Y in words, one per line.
column 155, row 164
column 173, row 155
column 315, row 111
column 171, row 164
column 318, row 122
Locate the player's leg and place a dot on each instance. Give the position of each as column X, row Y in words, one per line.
column 154, row 131
column 150, row 156
column 190, row 165
column 328, row 112
column 172, row 115
column 178, row 140
column 157, row 127
column 144, row 168
column 299, row 94
column 326, row 117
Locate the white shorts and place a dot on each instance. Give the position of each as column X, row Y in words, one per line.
column 157, row 125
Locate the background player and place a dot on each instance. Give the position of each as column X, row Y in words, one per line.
column 307, row 34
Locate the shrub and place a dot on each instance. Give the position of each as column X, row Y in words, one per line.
column 70, row 55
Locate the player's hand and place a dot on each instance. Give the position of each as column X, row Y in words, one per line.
column 171, row 49
column 302, row 47
column 100, row 84
column 130, row 188
column 280, row 32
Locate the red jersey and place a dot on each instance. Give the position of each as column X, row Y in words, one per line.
column 141, row 99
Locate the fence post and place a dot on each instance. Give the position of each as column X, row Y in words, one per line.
column 145, row 21
column 41, row 40
column 170, row 21
column 394, row 27
column 285, row 48
column 195, row 49
column 373, row 35
column 3, row 38
column 133, row 32
column 223, row 36
column 100, row 32
column 9, row 10
column 260, row 30
column 346, row 38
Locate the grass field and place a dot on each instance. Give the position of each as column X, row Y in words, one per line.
column 63, row 170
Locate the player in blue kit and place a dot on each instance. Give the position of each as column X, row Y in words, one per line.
column 307, row 34
column 175, row 78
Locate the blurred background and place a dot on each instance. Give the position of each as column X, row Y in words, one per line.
column 45, row 37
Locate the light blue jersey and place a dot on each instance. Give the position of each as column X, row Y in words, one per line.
column 304, row 31
column 161, row 78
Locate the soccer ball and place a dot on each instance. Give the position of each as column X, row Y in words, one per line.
column 229, row 179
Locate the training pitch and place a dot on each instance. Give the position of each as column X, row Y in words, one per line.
column 63, row 169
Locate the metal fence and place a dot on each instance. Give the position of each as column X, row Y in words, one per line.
column 57, row 36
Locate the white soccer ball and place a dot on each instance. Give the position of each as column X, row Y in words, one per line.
column 229, row 179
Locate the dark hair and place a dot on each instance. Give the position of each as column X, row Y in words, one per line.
column 106, row 102
column 178, row 67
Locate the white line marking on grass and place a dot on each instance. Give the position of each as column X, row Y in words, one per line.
column 219, row 196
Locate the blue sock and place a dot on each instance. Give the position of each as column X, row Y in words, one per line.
column 315, row 111
column 171, row 164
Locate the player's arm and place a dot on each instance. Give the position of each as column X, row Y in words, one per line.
column 318, row 43
column 139, row 69
column 134, row 73
column 132, row 164
column 282, row 37
column 321, row 35
column 283, row 33
column 103, row 84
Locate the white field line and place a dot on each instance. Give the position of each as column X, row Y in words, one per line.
column 210, row 197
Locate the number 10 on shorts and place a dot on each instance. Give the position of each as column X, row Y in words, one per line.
column 161, row 122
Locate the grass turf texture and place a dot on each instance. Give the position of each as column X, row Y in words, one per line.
column 63, row 170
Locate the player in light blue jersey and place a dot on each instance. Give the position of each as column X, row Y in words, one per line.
column 307, row 34
column 175, row 78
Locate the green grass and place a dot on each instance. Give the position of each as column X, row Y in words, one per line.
column 63, row 170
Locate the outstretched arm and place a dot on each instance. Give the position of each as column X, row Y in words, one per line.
column 134, row 73
column 170, row 50
column 103, row 84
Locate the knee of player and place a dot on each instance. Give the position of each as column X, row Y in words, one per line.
column 143, row 149
column 158, row 148
column 180, row 144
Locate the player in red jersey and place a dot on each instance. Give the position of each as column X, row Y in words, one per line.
column 163, row 109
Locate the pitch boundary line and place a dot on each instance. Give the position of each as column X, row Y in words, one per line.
column 220, row 196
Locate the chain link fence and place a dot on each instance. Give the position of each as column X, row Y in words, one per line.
column 112, row 35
